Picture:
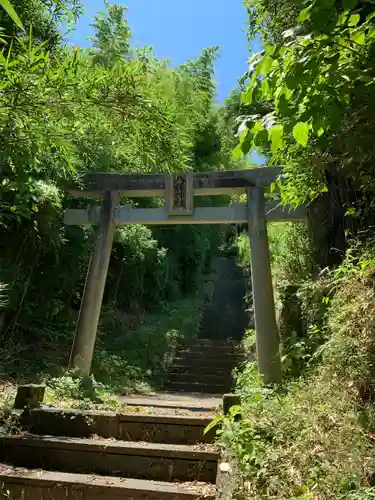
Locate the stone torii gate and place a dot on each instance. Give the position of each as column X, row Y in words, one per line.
column 179, row 191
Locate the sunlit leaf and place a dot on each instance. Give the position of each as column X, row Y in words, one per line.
column 237, row 153
column 301, row 133
column 359, row 38
column 304, row 14
column 235, row 410
column 354, row 20
column 264, row 65
column 214, row 423
column 275, row 135
column 247, row 97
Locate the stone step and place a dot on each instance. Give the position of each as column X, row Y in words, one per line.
column 25, row 484
column 202, row 370
column 169, row 429
column 210, row 343
column 176, row 403
column 212, row 351
column 196, row 378
column 160, row 462
column 199, row 387
column 198, row 357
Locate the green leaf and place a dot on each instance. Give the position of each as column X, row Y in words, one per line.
column 301, row 133
column 246, row 144
column 359, row 38
column 235, row 410
column 7, row 6
column 275, row 135
column 214, row 423
column 237, row 152
column 260, row 134
column 247, row 96
column 305, row 14
column 264, row 65
column 354, row 20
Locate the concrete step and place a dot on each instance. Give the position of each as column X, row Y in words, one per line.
column 211, row 351
column 210, row 342
column 203, row 370
column 196, row 378
column 169, row 429
column 47, row 485
column 160, row 462
column 175, row 403
column 198, row 357
column 199, row 387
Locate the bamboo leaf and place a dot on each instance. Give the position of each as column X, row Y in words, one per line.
column 7, row 6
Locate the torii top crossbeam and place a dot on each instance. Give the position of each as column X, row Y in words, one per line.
column 152, row 185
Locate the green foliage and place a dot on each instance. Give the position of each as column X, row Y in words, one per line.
column 133, row 353
column 109, row 108
column 313, row 437
column 315, row 74
column 46, row 17
column 112, row 35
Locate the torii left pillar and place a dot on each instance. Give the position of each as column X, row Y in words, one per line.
column 91, row 304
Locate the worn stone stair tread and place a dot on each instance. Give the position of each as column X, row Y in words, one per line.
column 198, row 388
column 197, row 378
column 133, row 427
column 210, row 342
column 209, row 351
column 131, row 417
column 175, row 401
column 220, row 348
column 200, row 369
column 107, row 457
column 180, row 451
column 86, row 486
column 192, row 359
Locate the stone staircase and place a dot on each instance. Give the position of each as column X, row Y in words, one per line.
column 204, row 366
column 86, row 455
column 225, row 316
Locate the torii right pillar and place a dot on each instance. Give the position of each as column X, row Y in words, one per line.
column 267, row 336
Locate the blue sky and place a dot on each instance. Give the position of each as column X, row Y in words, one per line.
column 179, row 29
